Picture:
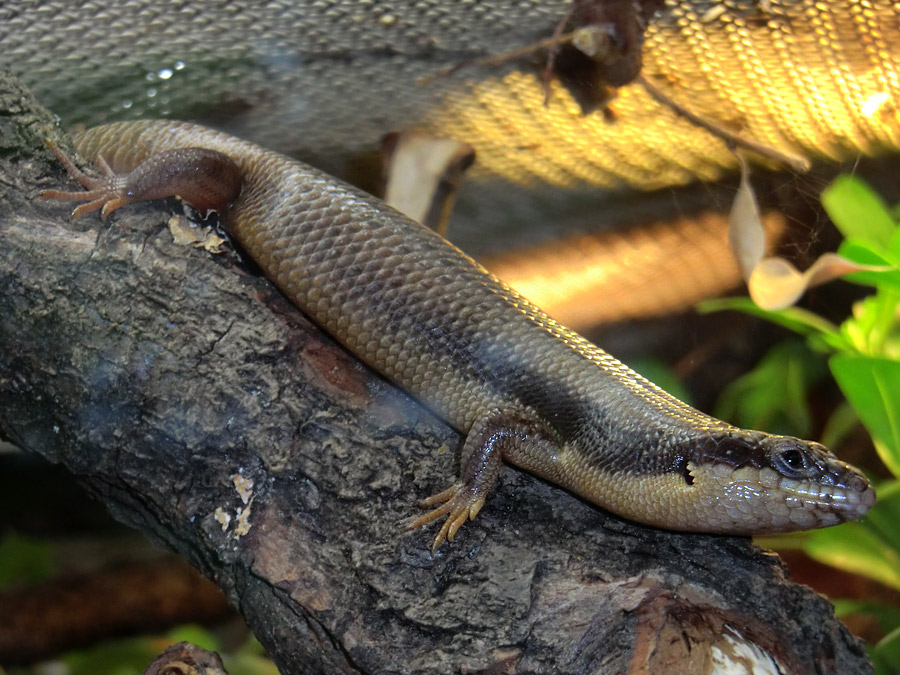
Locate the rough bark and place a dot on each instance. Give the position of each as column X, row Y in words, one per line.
column 167, row 378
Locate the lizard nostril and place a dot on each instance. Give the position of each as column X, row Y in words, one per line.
column 858, row 483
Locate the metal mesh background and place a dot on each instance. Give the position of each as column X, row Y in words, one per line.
column 328, row 77
column 325, row 79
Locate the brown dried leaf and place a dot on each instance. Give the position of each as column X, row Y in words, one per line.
column 423, row 173
column 774, row 283
column 745, row 229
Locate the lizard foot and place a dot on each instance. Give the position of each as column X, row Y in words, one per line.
column 458, row 503
column 105, row 193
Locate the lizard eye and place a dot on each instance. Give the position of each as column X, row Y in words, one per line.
column 791, row 462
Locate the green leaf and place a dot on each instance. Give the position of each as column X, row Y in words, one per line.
column 246, row 664
column 870, row 547
column 796, row 319
column 841, row 423
column 886, row 654
column 872, row 385
column 858, row 212
column 248, row 659
column 115, row 657
column 195, row 634
column 887, row 616
column 855, row 548
column 888, row 456
column 873, row 327
column 863, row 254
column 787, row 541
column 773, row 395
column 883, row 520
column 131, row 656
column 24, row 560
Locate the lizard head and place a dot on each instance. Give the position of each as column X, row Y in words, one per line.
column 761, row 483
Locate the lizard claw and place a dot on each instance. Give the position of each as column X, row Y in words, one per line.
column 457, row 503
column 99, row 193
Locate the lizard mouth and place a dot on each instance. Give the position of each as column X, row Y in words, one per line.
column 759, row 500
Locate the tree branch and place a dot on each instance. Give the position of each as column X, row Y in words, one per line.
column 77, row 610
column 205, row 410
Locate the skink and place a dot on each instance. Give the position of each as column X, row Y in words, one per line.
column 521, row 387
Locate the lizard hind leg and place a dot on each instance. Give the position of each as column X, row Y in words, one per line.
column 490, row 438
column 206, row 179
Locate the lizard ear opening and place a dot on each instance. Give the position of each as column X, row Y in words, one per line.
column 685, row 471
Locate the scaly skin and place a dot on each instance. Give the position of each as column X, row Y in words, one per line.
column 520, row 386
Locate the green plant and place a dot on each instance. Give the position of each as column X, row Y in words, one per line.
column 863, row 356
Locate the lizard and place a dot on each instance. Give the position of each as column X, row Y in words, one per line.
column 520, row 386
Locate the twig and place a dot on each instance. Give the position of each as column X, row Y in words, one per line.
column 732, row 139
column 553, row 42
column 556, row 41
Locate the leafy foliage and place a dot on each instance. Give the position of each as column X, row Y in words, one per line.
column 863, row 356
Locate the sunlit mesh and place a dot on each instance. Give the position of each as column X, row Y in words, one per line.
column 328, row 78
